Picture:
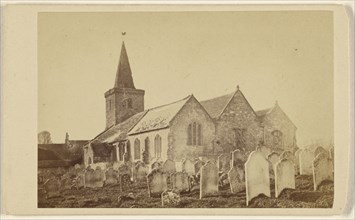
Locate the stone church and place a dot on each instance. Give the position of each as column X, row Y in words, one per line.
column 186, row 128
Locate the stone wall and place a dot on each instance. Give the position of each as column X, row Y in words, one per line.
column 178, row 146
column 238, row 115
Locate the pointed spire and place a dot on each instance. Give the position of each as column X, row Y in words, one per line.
column 124, row 74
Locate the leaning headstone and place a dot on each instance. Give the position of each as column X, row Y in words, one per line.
column 322, row 169
column 157, row 182
column 170, row 198
column 319, row 150
column 188, row 167
column 141, row 171
column 169, row 166
column 111, row 177
column 284, row 176
column 208, row 179
column 236, row 179
column 52, row 188
column 257, row 175
column 125, row 182
column 237, row 157
column 198, row 164
column 180, row 181
column 224, row 161
column 306, row 159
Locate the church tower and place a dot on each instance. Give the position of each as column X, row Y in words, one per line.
column 123, row 100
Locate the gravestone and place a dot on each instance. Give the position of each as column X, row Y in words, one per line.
column 169, row 167
column 306, row 160
column 178, row 165
column 180, row 181
column 208, row 179
column 66, row 184
column 257, row 178
column 236, row 179
column 237, row 157
column 319, row 150
column 116, row 165
column 125, row 182
column 170, row 198
column 111, row 177
column 140, row 171
column 156, row 165
column 297, row 161
column 286, row 155
column 77, row 166
column 188, row 167
column 102, row 165
column 125, row 169
column 265, row 151
column 198, row 164
column 157, row 182
column 224, row 162
column 284, row 176
column 94, row 178
column 52, row 188
column 322, row 169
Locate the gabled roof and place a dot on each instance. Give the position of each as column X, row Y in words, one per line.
column 159, row 117
column 124, row 74
column 215, row 106
column 119, row 132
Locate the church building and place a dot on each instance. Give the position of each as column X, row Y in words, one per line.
column 186, row 128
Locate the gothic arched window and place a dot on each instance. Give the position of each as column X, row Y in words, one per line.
column 137, row 149
column 194, row 134
column 157, row 146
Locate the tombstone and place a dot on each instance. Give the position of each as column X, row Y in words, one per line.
column 140, row 171
column 297, row 161
column 111, row 177
column 237, row 157
column 257, row 180
column 306, row 158
column 284, row 176
column 170, row 198
column 265, row 151
column 116, row 165
column 102, row 165
column 319, row 150
column 178, row 165
column 52, row 188
column 94, row 178
column 169, row 166
column 125, row 182
column 236, row 179
column 188, row 167
column 66, row 183
column 198, row 166
column 180, row 181
column 125, row 169
column 224, row 162
column 157, row 182
column 208, row 179
column 287, row 155
column 77, row 166
column 322, row 169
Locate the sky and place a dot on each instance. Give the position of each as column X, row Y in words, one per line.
column 285, row 56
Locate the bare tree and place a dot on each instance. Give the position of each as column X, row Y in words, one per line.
column 44, row 137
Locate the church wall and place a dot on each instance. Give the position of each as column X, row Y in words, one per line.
column 110, row 110
column 163, row 133
column 238, row 115
column 277, row 120
column 178, row 135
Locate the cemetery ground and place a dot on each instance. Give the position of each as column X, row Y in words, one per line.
column 137, row 196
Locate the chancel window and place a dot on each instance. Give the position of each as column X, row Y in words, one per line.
column 137, row 149
column 157, row 146
column 240, row 137
column 194, row 134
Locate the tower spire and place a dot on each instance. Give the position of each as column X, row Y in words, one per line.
column 124, row 73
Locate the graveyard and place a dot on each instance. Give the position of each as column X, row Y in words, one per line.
column 264, row 179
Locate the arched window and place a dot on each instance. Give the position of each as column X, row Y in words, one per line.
column 128, row 148
column 146, row 152
column 157, row 146
column 194, row 134
column 137, row 149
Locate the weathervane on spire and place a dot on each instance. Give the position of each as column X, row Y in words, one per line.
column 123, row 34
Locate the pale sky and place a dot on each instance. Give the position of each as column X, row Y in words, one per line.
column 283, row 56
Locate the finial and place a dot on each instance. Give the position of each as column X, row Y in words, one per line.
column 237, row 87
column 123, row 34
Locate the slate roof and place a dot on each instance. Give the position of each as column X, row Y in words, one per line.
column 215, row 106
column 119, row 132
column 159, row 117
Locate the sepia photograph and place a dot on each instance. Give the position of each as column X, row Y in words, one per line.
column 176, row 110
column 185, row 110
